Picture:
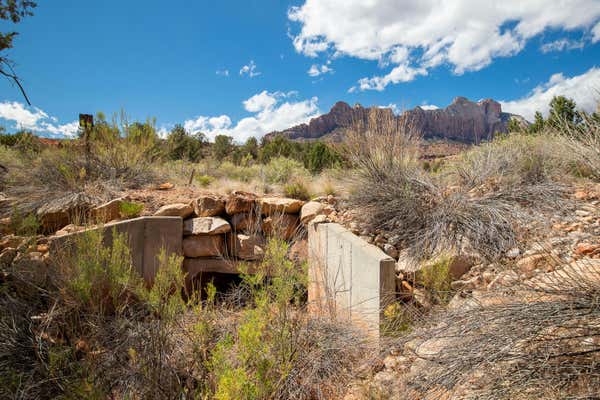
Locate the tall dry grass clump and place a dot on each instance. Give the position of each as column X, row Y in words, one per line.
column 472, row 205
column 538, row 340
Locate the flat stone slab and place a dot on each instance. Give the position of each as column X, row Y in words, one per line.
column 205, row 226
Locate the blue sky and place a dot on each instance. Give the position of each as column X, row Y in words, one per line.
column 248, row 67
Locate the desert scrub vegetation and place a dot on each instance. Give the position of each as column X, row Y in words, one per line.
column 536, row 340
column 89, row 327
column 471, row 205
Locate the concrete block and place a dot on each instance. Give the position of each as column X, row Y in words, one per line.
column 349, row 279
column 146, row 237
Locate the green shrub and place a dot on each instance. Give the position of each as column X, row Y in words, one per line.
column 129, row 209
column 282, row 169
column 435, row 277
column 297, row 190
column 204, row 180
column 24, row 225
column 102, row 279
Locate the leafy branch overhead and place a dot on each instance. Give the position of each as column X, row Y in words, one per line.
column 14, row 11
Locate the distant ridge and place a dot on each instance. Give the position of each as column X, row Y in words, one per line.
column 463, row 120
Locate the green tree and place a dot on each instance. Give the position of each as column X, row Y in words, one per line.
column 14, row 11
column 320, row 156
column 538, row 123
column 182, row 145
column 251, row 147
column 563, row 111
column 222, row 147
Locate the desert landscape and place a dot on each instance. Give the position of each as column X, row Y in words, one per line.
column 364, row 252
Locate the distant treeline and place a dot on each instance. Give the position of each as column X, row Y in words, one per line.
column 182, row 145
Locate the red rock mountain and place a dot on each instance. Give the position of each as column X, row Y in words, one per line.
column 463, row 120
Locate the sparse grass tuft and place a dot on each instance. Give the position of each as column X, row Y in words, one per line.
column 129, row 209
column 297, row 190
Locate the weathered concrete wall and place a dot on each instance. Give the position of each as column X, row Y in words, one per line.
column 348, row 278
column 147, row 237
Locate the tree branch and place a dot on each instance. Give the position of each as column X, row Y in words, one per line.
column 14, row 77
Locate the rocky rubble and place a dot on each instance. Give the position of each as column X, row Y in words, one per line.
column 566, row 245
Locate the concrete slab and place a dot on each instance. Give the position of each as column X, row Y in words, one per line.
column 348, row 278
column 147, row 236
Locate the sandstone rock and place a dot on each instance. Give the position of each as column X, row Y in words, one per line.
column 309, row 211
column 284, row 226
column 208, row 206
column 165, row 186
column 390, row 250
column 205, row 226
column 203, row 246
column 513, row 253
column 299, row 251
column 69, row 229
column 586, row 249
column 239, row 202
column 462, row 120
column 10, row 241
column 60, row 212
column 244, row 221
column 246, row 247
column 5, row 226
column 528, row 264
column 277, row 205
column 175, row 210
column 108, row 211
column 319, row 219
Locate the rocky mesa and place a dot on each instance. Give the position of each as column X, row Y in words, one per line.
column 463, row 120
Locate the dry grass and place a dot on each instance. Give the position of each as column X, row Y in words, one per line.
column 471, row 207
column 539, row 340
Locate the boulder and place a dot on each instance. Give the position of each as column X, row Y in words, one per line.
column 60, row 212
column 175, row 210
column 310, row 210
column 284, row 226
column 298, row 251
column 165, row 186
column 10, row 241
column 208, row 206
column 239, row 202
column 203, row 246
column 244, row 222
column 246, row 247
column 279, row 205
column 108, row 211
column 205, row 226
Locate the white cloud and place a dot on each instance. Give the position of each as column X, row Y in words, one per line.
column 393, row 106
column 271, row 112
column 596, row 33
column 416, row 36
column 429, row 107
column 222, row 72
column 35, row 120
column 584, row 89
column 249, row 70
column 316, row 69
column 561, row 45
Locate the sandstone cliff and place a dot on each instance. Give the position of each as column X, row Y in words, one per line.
column 463, row 120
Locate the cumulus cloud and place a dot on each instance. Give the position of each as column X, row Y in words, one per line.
column 249, row 69
column 272, row 111
column 584, row 89
column 316, row 69
column 429, row 107
column 414, row 37
column 35, row 120
column 561, row 45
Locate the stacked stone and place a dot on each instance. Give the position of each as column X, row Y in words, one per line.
column 222, row 232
